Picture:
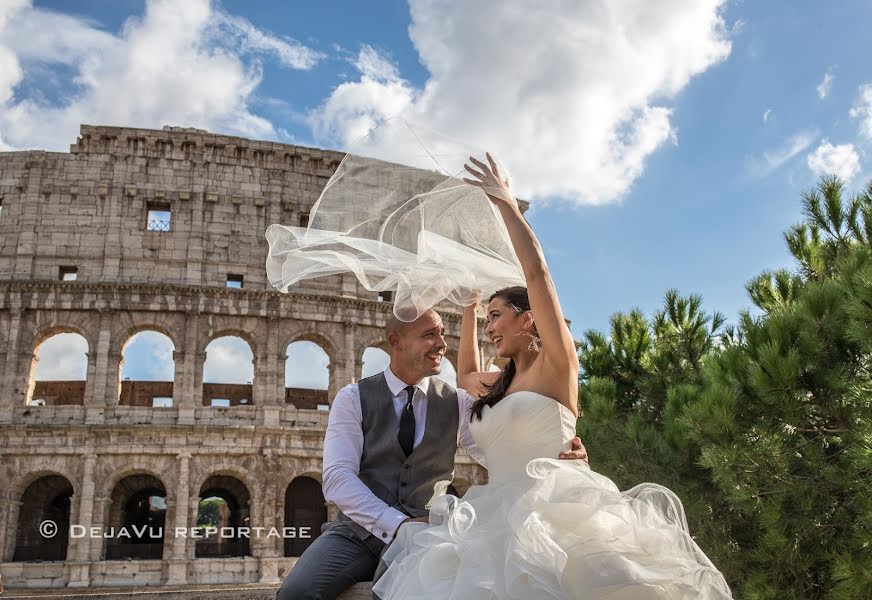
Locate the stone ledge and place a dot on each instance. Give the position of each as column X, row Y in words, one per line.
column 361, row 591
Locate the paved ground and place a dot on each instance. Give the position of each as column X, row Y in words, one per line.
column 218, row 592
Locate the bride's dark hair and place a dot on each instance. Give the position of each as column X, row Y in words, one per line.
column 516, row 298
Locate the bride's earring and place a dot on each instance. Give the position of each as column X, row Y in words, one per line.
column 535, row 341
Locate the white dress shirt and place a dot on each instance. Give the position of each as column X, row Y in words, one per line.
column 343, row 448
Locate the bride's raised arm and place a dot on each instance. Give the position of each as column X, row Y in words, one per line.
column 558, row 347
column 469, row 377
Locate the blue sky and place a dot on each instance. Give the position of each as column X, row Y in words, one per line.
column 663, row 144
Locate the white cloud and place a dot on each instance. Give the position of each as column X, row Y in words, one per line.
column 148, row 356
column 766, row 115
column 776, row 157
column 573, row 97
column 180, row 63
column 823, row 88
column 841, row 160
column 307, row 366
column 354, row 108
column 62, row 357
column 228, row 360
column 862, row 111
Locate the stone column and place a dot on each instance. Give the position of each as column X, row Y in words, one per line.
column 10, row 396
column 99, row 391
column 273, row 367
column 9, row 519
column 187, row 387
column 80, row 548
column 260, row 381
column 268, row 547
column 344, row 367
column 178, row 377
column 280, row 385
column 25, row 380
column 178, row 563
column 269, row 399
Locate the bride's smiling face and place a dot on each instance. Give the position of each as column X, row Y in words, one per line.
column 506, row 327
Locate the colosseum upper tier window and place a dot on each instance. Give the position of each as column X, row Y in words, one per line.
column 159, row 217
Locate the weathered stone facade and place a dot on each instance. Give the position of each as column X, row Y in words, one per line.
column 90, row 451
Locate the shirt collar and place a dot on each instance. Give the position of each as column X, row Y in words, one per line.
column 397, row 385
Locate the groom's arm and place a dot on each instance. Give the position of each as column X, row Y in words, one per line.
column 343, row 448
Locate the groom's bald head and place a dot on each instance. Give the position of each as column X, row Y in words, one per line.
column 414, row 344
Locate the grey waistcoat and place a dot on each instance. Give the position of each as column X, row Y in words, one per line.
column 405, row 483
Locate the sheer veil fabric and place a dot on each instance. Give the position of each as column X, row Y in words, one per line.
column 403, row 222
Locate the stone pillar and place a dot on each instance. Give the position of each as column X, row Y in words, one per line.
column 261, row 380
column 273, row 372
column 10, row 396
column 280, row 392
column 25, row 380
column 268, row 549
column 334, row 382
column 80, row 548
column 178, row 563
column 344, row 368
column 188, row 386
column 9, row 519
column 193, row 507
column 270, row 396
column 100, row 393
column 178, row 377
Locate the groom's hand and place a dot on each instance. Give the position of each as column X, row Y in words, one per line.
column 411, row 520
column 578, row 452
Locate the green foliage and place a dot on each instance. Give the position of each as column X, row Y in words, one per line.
column 764, row 428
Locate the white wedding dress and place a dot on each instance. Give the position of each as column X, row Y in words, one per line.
column 544, row 528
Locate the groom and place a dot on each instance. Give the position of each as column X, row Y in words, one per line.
column 390, row 439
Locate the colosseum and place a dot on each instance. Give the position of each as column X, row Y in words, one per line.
column 140, row 231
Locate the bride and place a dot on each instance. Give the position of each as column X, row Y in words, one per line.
column 540, row 528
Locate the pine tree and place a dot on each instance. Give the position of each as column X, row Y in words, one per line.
column 763, row 429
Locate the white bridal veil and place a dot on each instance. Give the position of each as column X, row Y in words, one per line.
column 403, row 222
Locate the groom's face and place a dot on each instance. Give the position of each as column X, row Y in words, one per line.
column 417, row 348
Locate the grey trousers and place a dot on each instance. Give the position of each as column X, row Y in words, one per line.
column 333, row 563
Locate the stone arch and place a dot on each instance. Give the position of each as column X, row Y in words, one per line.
column 305, row 394
column 224, row 506
column 305, row 510
column 144, row 391
column 71, row 323
column 159, row 322
column 326, row 342
column 60, row 391
column 247, row 336
column 47, row 496
column 230, row 393
column 370, row 341
column 111, row 472
column 21, row 482
column 240, row 471
column 137, row 514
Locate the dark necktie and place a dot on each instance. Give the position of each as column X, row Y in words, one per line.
column 407, row 424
